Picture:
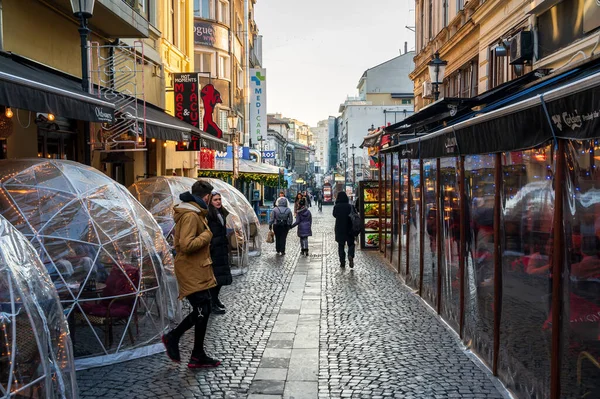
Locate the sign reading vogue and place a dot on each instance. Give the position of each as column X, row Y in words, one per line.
column 258, row 104
column 210, row 34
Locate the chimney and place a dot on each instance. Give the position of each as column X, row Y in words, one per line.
column 405, row 47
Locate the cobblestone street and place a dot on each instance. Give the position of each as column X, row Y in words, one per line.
column 300, row 327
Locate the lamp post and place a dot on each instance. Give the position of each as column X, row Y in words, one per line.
column 83, row 10
column 353, row 147
column 437, row 69
column 232, row 122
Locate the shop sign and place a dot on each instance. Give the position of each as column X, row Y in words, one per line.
column 186, row 88
column 211, row 34
column 268, row 154
column 258, row 104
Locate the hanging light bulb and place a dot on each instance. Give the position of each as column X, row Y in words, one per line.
column 165, row 144
column 153, row 140
column 51, row 117
column 8, row 113
column 139, row 139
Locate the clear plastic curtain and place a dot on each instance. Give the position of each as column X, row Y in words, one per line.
column 450, row 241
column 414, row 218
column 395, row 184
column 430, row 260
column 580, row 350
column 527, row 221
column 480, row 192
column 403, row 214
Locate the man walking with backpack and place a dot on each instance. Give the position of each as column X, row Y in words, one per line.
column 281, row 221
column 346, row 227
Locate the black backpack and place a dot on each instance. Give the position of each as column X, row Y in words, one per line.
column 281, row 218
column 356, row 222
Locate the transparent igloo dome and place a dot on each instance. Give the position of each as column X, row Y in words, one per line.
column 246, row 212
column 160, row 194
column 36, row 359
column 104, row 252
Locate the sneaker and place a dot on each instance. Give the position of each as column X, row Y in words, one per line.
column 218, row 310
column 172, row 347
column 343, row 264
column 351, row 261
column 219, row 304
column 203, row 362
column 306, row 252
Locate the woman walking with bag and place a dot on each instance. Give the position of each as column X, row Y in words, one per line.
column 281, row 220
column 304, row 223
column 343, row 228
column 219, row 249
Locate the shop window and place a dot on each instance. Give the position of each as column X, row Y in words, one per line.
column 203, row 62
column 57, row 145
column 224, row 67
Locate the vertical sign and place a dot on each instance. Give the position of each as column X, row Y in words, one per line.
column 186, row 88
column 258, row 104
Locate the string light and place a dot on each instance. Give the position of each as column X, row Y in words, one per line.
column 8, row 112
column 51, row 117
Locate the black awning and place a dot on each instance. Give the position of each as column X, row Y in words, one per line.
column 162, row 126
column 519, row 122
column 435, row 113
column 371, row 140
column 25, row 84
column 213, row 143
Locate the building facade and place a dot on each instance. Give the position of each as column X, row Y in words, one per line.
column 385, row 97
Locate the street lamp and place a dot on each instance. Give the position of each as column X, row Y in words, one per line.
column 232, row 123
column 353, row 147
column 437, row 69
column 83, row 10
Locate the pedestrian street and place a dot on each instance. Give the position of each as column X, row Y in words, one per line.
column 299, row 327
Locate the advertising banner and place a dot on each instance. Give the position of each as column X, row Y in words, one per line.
column 211, row 34
column 186, row 88
column 258, row 104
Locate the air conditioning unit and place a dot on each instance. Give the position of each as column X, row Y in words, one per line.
column 521, row 48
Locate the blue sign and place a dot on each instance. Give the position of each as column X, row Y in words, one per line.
column 268, row 154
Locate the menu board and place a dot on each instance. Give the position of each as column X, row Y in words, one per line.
column 375, row 215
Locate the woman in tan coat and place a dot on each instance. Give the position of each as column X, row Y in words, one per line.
column 193, row 268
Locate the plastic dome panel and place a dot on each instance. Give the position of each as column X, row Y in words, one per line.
column 36, row 359
column 104, row 252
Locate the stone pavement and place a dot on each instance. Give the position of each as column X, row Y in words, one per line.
column 302, row 327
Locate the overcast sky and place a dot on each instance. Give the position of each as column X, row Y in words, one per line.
column 315, row 51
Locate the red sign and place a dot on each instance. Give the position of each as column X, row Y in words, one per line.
column 186, row 88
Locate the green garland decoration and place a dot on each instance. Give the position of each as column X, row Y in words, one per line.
column 262, row 178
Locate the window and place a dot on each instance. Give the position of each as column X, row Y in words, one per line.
column 203, row 62
column 430, row 20
column 422, row 25
column 240, row 78
column 500, row 70
column 460, row 4
column 204, row 9
column 223, row 11
column 240, row 28
column 445, row 11
column 223, row 120
column 224, row 67
column 171, row 22
column 406, row 101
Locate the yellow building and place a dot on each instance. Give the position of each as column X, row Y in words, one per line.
column 475, row 39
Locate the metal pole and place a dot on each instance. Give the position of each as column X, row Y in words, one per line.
column 557, row 268
column 421, row 228
column 497, row 260
column 439, row 234
column 408, row 216
column 85, row 85
column 463, row 241
column 400, row 207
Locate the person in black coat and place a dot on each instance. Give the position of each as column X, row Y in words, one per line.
column 343, row 228
column 219, row 249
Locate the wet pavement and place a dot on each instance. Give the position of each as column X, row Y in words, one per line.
column 302, row 327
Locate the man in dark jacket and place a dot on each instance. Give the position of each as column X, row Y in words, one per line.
column 281, row 220
column 193, row 269
column 343, row 228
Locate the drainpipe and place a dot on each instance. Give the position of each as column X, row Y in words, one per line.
column 246, row 77
column 1, row 29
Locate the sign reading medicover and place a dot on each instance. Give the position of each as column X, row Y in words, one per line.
column 258, row 104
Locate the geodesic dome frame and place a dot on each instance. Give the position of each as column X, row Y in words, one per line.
column 160, row 194
column 105, row 254
column 36, row 359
